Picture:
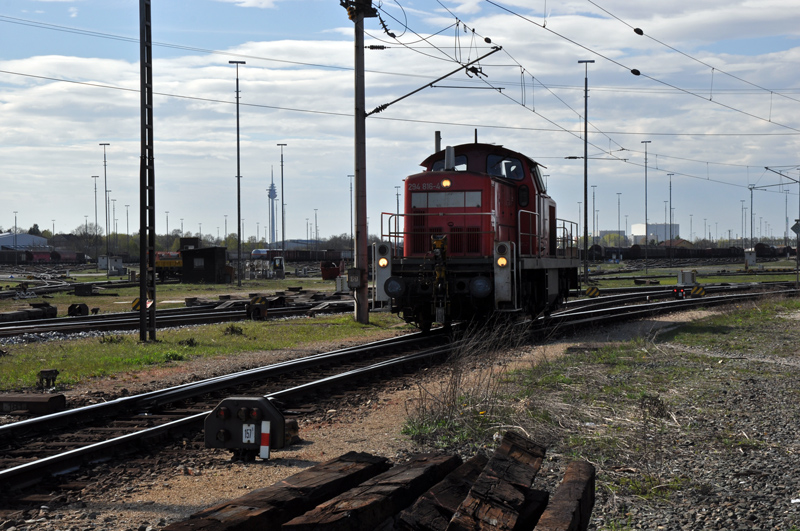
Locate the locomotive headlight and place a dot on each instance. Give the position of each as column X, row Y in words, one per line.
column 502, row 261
column 446, row 183
column 383, row 262
column 480, row 287
column 394, row 287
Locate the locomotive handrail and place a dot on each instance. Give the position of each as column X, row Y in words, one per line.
column 566, row 241
column 533, row 244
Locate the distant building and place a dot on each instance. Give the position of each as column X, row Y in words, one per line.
column 22, row 241
column 657, row 232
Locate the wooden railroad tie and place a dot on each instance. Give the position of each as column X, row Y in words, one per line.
column 430, row 492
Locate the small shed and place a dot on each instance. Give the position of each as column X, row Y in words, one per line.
column 206, row 265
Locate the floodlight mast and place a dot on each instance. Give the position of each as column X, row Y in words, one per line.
column 586, row 62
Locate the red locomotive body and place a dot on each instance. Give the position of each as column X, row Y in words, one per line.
column 479, row 234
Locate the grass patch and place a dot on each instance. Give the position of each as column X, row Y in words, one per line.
column 621, row 406
column 81, row 359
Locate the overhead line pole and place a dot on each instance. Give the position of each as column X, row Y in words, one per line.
column 147, row 185
column 357, row 10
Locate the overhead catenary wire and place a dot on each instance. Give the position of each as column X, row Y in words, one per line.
column 426, row 40
column 638, row 72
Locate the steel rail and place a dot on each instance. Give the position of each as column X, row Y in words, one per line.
column 209, row 385
column 130, row 322
column 30, row 473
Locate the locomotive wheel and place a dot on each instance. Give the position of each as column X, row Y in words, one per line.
column 425, row 326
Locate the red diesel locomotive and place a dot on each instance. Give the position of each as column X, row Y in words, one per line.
column 478, row 235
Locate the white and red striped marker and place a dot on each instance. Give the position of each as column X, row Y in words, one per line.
column 264, row 440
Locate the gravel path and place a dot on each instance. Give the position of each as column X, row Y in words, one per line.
column 723, row 456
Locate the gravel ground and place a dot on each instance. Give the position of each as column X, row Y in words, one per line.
column 726, row 450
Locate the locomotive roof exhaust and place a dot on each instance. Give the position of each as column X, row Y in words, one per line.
column 449, row 158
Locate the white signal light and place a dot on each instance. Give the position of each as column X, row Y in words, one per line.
column 383, row 261
column 502, row 261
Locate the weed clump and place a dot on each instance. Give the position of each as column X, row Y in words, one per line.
column 234, row 330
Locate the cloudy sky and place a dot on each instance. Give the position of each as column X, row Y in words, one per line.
column 718, row 99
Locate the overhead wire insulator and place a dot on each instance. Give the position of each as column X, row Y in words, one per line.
column 379, row 108
column 376, row 47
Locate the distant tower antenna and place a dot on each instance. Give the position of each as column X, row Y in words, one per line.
column 273, row 195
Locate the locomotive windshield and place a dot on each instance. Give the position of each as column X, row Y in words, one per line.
column 446, row 200
column 461, row 164
column 507, row 167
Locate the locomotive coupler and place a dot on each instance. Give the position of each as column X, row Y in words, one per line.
column 440, row 295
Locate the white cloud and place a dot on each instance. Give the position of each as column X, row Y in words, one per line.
column 264, row 4
column 51, row 130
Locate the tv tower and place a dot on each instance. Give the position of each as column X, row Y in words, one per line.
column 273, row 195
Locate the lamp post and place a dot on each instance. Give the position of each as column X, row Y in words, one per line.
column 181, row 227
column 166, row 213
column 105, row 180
column 585, row 63
column 127, row 231
column 283, row 204
column 646, row 232
column 594, row 216
column 742, row 201
column 86, row 229
column 238, row 183
column 670, row 217
column 619, row 236
column 54, row 228
column 108, row 233
column 15, row 237
column 752, row 213
column 113, row 221
column 316, row 231
column 96, row 240
column 226, row 229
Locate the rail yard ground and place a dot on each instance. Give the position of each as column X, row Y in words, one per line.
column 690, row 419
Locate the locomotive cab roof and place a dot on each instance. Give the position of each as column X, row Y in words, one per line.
column 490, row 159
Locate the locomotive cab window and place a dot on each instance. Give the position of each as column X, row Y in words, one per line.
column 507, row 167
column 446, row 200
column 524, row 195
column 461, row 164
column 537, row 178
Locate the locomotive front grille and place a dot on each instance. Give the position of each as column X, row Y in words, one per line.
column 465, row 240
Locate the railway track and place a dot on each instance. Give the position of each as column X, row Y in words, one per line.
column 164, row 319
column 59, row 443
